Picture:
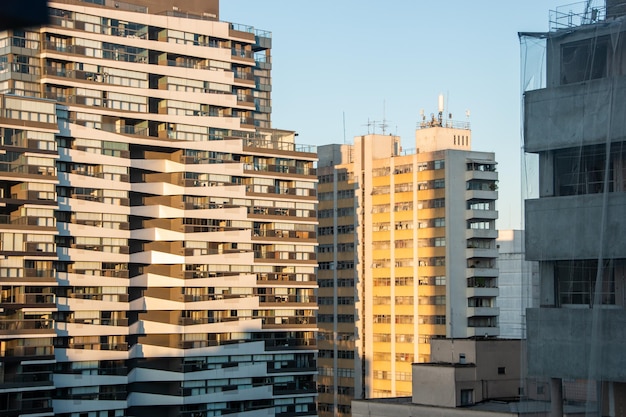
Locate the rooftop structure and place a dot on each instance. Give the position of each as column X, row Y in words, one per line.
column 479, row 377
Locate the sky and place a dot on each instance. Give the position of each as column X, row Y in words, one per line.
column 339, row 65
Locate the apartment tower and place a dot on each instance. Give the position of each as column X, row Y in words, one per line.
column 576, row 228
column 158, row 237
column 406, row 253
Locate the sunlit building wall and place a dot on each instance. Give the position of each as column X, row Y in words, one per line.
column 158, row 237
column 407, row 252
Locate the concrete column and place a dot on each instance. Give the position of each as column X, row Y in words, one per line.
column 556, row 397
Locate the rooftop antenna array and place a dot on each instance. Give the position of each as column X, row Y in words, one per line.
column 384, row 125
column 440, row 108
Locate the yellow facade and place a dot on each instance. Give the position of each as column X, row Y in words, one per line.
column 403, row 238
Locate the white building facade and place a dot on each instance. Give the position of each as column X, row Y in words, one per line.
column 518, row 284
column 158, row 237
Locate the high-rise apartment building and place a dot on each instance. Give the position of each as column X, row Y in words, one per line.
column 575, row 229
column 158, row 237
column 406, row 253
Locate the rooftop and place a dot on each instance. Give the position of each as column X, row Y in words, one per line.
column 514, row 405
column 585, row 13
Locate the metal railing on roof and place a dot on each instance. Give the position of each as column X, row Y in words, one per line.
column 577, row 14
column 121, row 5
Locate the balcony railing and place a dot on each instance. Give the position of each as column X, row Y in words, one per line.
column 98, row 346
column 279, row 298
column 285, row 256
column 100, row 322
column 280, row 145
column 31, row 298
column 280, row 169
column 26, row 324
column 268, row 189
column 279, row 344
column 29, row 351
column 283, row 234
column 28, row 220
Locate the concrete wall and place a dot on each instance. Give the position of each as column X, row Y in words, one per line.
column 434, row 385
column 488, row 355
column 493, row 355
column 456, row 244
column 405, row 409
column 569, row 227
column 331, row 155
column 518, row 284
column 577, row 343
column 570, row 115
column 446, row 350
column 437, row 138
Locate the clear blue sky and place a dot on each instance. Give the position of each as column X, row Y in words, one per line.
column 388, row 59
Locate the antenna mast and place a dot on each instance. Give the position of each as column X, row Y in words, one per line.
column 383, row 125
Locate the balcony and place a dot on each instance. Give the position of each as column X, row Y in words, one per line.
column 481, row 214
column 481, row 175
column 481, row 253
column 38, row 299
column 304, row 279
column 550, row 221
column 282, row 191
column 299, row 257
column 290, row 344
column 562, row 341
column 21, row 221
column 29, row 351
column 281, row 322
column 481, row 272
column 279, row 145
column 481, row 292
column 283, row 169
column 482, row 312
column 560, row 117
column 481, row 195
column 284, row 212
column 283, row 234
column 287, row 299
column 481, row 233
column 98, row 346
column 21, row 326
column 17, row 168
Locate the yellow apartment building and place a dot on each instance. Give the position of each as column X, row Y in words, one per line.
column 406, row 253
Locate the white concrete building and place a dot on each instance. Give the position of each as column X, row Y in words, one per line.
column 158, row 237
column 518, row 284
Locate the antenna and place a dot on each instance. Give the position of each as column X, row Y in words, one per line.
column 440, row 108
column 370, row 123
column 344, row 127
column 384, row 124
